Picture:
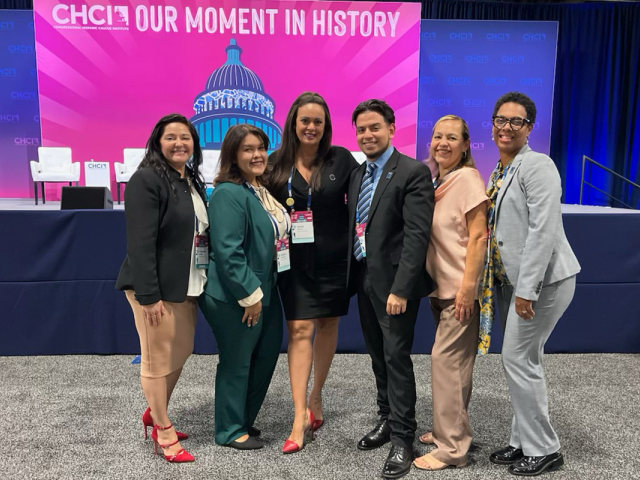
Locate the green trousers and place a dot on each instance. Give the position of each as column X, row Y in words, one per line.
column 247, row 359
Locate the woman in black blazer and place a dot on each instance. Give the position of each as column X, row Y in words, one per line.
column 164, row 273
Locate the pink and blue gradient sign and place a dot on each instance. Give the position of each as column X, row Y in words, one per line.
column 108, row 71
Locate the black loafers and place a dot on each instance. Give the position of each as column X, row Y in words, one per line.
column 377, row 437
column 531, row 466
column 254, row 432
column 398, row 462
column 251, row 443
column 506, row 456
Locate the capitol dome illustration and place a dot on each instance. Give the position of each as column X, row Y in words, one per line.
column 233, row 94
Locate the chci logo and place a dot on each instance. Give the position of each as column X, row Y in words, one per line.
column 474, row 102
column 531, row 81
column 26, row 141
column 94, row 15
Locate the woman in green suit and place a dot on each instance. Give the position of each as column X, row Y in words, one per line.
column 240, row 301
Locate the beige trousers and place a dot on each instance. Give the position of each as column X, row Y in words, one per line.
column 452, row 359
column 165, row 348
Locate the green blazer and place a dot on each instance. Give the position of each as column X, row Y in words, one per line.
column 242, row 245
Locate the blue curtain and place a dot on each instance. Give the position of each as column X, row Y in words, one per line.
column 16, row 4
column 596, row 108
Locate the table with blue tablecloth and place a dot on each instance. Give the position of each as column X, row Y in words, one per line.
column 58, row 271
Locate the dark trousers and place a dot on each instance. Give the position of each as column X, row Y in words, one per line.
column 247, row 359
column 389, row 339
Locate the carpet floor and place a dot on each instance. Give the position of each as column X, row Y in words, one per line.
column 78, row 417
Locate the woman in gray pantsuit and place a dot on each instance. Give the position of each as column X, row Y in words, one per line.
column 534, row 272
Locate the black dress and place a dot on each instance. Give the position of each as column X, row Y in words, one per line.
column 316, row 284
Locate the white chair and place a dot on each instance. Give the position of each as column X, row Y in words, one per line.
column 210, row 165
column 132, row 158
column 359, row 156
column 54, row 165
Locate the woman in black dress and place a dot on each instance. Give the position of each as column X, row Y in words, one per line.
column 308, row 174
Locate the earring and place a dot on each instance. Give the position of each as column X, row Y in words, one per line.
column 527, row 140
column 492, row 139
column 464, row 154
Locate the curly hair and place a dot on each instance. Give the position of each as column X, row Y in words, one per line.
column 520, row 99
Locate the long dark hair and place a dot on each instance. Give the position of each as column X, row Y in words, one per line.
column 285, row 157
column 154, row 158
column 229, row 170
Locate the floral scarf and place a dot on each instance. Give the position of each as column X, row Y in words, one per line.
column 493, row 268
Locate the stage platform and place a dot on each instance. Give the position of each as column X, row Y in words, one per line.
column 58, row 271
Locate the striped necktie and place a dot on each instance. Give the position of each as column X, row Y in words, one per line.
column 364, row 202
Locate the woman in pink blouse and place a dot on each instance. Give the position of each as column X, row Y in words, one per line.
column 454, row 260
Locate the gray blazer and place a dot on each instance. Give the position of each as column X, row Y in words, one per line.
column 528, row 226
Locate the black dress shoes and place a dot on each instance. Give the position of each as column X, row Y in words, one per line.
column 531, row 466
column 254, row 432
column 506, row 456
column 377, row 437
column 398, row 462
column 251, row 443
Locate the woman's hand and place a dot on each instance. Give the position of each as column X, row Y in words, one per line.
column 153, row 313
column 251, row 314
column 464, row 304
column 524, row 308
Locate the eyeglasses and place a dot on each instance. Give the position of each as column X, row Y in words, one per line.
column 516, row 122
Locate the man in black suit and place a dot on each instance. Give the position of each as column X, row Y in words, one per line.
column 391, row 201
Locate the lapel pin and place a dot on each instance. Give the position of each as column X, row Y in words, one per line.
column 389, row 175
column 332, row 177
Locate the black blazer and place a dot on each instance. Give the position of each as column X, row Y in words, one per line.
column 160, row 230
column 397, row 233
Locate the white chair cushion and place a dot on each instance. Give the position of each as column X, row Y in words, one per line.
column 210, row 165
column 55, row 165
column 56, row 177
column 55, row 159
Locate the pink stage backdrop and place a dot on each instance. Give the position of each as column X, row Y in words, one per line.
column 107, row 72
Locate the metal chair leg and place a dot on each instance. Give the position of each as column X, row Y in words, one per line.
column 35, row 189
column 43, row 197
column 118, row 187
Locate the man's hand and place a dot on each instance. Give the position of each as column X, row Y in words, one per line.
column 396, row 305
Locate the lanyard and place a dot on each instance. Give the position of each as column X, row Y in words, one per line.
column 290, row 200
column 271, row 217
column 436, row 184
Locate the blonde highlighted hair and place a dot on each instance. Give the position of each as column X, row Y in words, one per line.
column 467, row 160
